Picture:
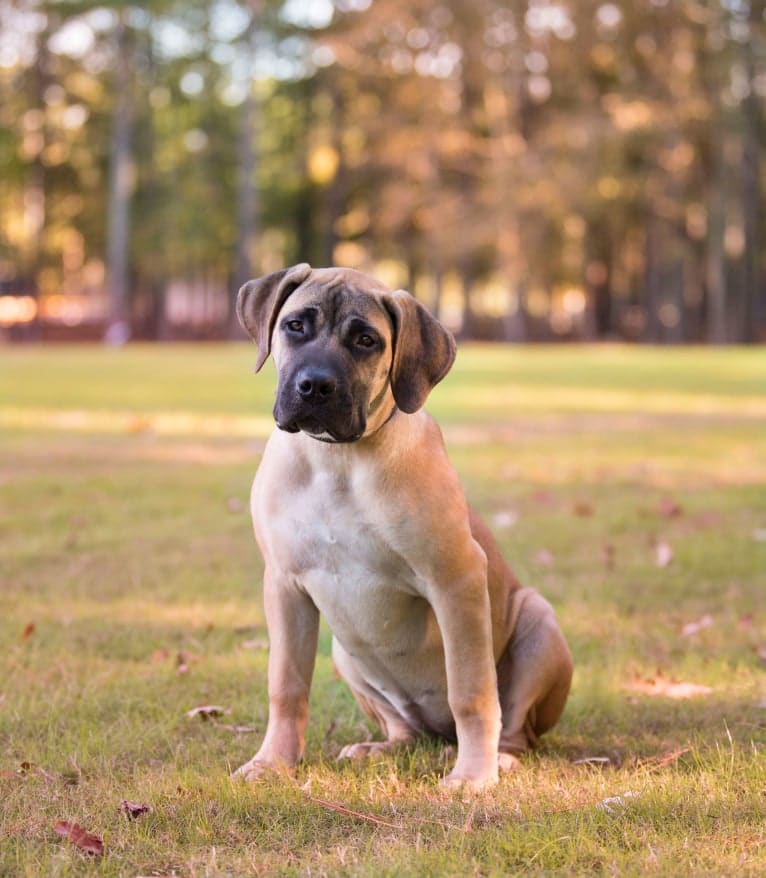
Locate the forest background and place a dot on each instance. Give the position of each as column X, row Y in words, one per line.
column 531, row 170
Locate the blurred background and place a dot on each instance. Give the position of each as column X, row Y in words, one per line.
column 532, row 171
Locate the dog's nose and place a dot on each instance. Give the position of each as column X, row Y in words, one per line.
column 316, row 384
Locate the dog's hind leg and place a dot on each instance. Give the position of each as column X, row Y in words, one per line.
column 534, row 675
column 396, row 728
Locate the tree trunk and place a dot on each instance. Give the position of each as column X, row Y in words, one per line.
column 651, row 291
column 751, row 280
column 120, row 186
column 715, row 266
column 247, row 195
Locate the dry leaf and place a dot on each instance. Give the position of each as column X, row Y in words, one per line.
column 544, row 498
column 139, row 424
column 616, row 804
column 80, row 838
column 691, row 628
column 544, row 557
column 667, row 687
column 707, row 520
column 663, row 554
column 668, row 508
column 207, row 711
column 29, row 630
column 582, row 509
column 133, row 809
column 183, row 661
column 505, row 518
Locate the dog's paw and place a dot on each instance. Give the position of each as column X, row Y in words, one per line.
column 254, row 770
column 454, row 782
column 364, row 749
column 507, row 762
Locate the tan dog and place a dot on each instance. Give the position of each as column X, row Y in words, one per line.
column 360, row 516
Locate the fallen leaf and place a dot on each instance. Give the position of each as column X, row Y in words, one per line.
column 505, row 518
column 668, row 508
column 616, row 804
column 80, row 838
column 133, row 809
column 593, row 760
column 667, row 687
column 663, row 554
column 139, row 424
column 234, row 505
column 691, row 628
column 544, row 557
column 582, row 509
column 707, row 520
column 25, row 767
column 184, row 660
column 29, row 630
column 71, row 777
column 207, row 711
column 257, row 643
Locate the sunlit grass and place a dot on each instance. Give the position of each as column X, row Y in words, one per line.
column 130, row 594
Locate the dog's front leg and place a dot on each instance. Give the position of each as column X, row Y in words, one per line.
column 293, row 623
column 463, row 613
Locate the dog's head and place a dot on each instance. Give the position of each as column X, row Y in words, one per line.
column 346, row 348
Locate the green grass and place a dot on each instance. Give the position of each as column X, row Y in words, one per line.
column 125, row 542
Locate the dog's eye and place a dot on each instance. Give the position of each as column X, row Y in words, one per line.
column 365, row 341
column 295, row 326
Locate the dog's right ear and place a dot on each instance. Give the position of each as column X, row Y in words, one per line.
column 423, row 350
column 260, row 300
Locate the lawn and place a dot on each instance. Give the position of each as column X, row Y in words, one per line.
column 627, row 485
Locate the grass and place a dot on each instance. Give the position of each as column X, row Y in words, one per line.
column 130, row 594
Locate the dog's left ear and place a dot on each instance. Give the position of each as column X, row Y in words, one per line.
column 423, row 351
column 260, row 300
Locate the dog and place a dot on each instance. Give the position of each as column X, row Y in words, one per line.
column 360, row 516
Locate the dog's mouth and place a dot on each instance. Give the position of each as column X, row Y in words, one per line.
column 317, row 429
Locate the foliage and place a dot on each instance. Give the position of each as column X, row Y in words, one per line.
column 130, row 585
column 531, row 169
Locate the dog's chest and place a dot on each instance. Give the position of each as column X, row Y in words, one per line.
column 327, row 536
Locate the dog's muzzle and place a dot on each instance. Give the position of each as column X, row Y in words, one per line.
column 318, row 402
